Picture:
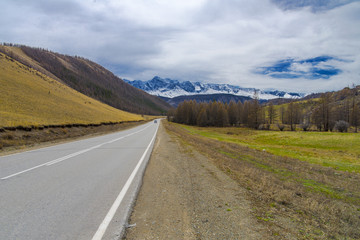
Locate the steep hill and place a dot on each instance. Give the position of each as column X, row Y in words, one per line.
column 88, row 78
column 31, row 98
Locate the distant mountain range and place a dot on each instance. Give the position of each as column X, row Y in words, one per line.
column 169, row 88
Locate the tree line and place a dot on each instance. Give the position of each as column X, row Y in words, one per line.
column 332, row 111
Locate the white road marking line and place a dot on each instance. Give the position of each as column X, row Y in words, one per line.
column 109, row 216
column 71, row 155
column 43, row 148
column 27, row 170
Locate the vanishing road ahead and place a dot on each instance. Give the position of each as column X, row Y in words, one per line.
column 73, row 190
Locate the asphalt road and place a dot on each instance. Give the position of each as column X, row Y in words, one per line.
column 76, row 190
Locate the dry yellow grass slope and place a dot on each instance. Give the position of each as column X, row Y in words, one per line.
column 28, row 97
column 25, row 59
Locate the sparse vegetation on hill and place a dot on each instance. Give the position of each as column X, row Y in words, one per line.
column 30, row 98
column 88, row 78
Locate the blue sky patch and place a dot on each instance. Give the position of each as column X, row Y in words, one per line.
column 315, row 5
column 312, row 68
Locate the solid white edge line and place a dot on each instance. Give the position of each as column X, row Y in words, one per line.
column 71, row 155
column 109, row 216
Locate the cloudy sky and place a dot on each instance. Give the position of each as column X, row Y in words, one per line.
column 302, row 45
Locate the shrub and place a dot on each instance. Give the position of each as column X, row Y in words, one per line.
column 8, row 136
column 305, row 126
column 281, row 126
column 341, row 126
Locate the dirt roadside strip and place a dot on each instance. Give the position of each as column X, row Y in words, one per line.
column 18, row 140
column 185, row 196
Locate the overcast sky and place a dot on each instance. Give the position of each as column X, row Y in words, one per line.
column 302, row 45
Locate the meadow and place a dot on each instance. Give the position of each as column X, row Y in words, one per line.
column 30, row 98
column 302, row 185
column 340, row 151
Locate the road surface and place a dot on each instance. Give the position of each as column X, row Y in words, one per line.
column 77, row 190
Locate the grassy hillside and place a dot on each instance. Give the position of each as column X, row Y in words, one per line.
column 28, row 97
column 88, row 78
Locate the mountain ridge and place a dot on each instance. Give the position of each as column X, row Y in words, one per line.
column 29, row 98
column 166, row 87
column 87, row 77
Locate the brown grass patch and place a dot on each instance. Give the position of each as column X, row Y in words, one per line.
column 14, row 139
column 30, row 98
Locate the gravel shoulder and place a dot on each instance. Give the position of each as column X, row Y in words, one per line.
column 185, row 196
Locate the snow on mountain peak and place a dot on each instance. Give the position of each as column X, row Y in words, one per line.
column 166, row 87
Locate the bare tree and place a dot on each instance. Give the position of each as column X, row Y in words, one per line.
column 245, row 113
column 272, row 114
column 233, row 113
column 221, row 119
column 255, row 114
column 240, row 111
column 282, row 114
column 325, row 111
column 202, row 120
column 355, row 112
column 292, row 115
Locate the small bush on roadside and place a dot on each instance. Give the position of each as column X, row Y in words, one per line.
column 341, row 126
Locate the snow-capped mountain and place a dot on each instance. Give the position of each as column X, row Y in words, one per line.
column 166, row 87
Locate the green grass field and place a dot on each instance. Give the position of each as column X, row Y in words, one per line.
column 337, row 150
column 308, row 178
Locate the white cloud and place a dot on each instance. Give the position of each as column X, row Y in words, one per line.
column 301, row 67
column 213, row 40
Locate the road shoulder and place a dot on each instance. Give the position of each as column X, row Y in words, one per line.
column 185, row 196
